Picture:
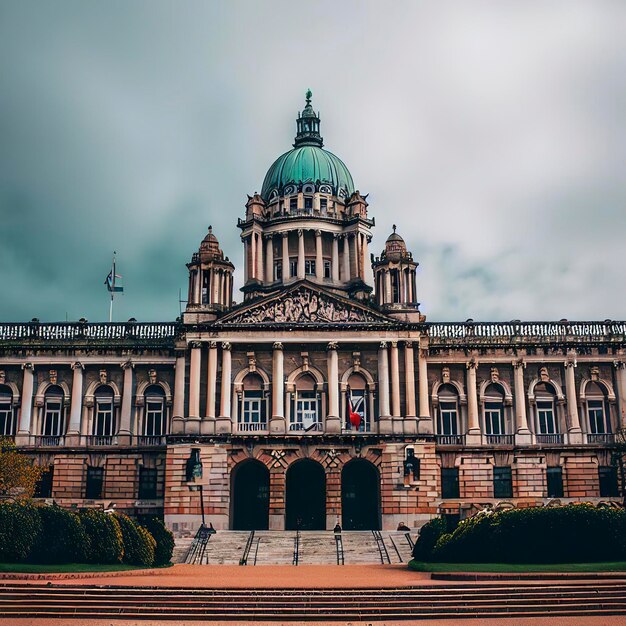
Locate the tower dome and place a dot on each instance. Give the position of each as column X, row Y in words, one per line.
column 308, row 162
column 395, row 248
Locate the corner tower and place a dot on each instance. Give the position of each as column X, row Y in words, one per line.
column 308, row 222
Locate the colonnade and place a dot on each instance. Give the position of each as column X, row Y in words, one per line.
column 219, row 286
column 406, row 285
column 347, row 261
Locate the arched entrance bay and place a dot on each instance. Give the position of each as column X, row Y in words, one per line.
column 305, row 497
column 360, row 496
column 250, row 496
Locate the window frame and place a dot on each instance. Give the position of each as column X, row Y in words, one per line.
column 147, row 489
column 502, row 481
column 450, row 487
column 554, row 489
column 444, row 413
column 7, row 414
column 94, row 483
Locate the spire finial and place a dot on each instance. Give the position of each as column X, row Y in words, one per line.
column 394, row 228
column 308, row 95
column 210, row 228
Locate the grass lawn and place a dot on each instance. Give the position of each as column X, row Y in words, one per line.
column 618, row 566
column 33, row 568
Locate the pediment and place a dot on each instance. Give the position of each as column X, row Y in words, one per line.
column 303, row 304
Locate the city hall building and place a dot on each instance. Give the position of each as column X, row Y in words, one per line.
column 325, row 395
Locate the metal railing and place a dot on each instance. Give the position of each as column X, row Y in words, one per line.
column 101, row 440
column 554, row 438
column 500, row 440
column 250, row 427
column 150, row 440
column 49, row 441
column 600, row 438
column 317, row 427
column 450, row 440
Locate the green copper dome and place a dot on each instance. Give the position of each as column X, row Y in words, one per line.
column 308, row 162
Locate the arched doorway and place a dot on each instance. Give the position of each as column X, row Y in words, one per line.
column 305, row 500
column 360, row 489
column 250, row 496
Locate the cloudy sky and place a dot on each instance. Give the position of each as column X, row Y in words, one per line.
column 492, row 133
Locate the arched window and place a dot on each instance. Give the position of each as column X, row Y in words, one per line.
column 597, row 413
column 448, row 414
column 7, row 414
column 357, row 402
column 494, row 411
column 547, row 423
column 305, row 414
column 53, row 425
column 104, row 423
column 253, row 414
column 155, row 419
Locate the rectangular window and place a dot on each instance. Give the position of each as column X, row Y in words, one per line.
column 306, row 417
column 326, row 269
column 293, row 204
column 309, row 267
column 95, row 480
column 323, row 205
column 308, row 204
column 554, row 476
column 358, row 399
column 447, row 419
column 450, row 482
column 147, row 483
column 597, row 424
column 494, row 418
column 293, row 267
column 6, row 416
column 608, row 481
column 502, row 482
column 155, row 417
column 53, row 409
column 252, row 412
column 545, row 416
column 43, row 488
column 278, row 270
column 103, row 425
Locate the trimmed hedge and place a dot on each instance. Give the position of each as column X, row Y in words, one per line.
column 429, row 534
column 139, row 544
column 105, row 544
column 574, row 533
column 62, row 538
column 20, row 527
column 164, row 541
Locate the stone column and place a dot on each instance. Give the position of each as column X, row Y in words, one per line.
column 425, row 424
column 388, row 295
column 246, row 259
column 410, row 419
column 76, row 404
column 300, row 253
column 346, row 259
column 178, row 417
column 223, row 423
column 277, row 422
column 620, row 378
column 573, row 426
column 474, row 435
column 395, row 388
column 207, row 427
column 253, row 261
column 335, row 259
column 24, row 429
column 269, row 258
column 286, row 273
column 319, row 260
column 522, row 434
column 127, row 404
column 192, row 423
column 333, row 419
column 385, row 424
column 259, row 256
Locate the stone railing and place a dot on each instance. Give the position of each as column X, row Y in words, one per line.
column 131, row 333
column 487, row 333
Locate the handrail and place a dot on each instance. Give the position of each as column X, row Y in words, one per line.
column 296, row 548
column 382, row 548
column 339, row 548
column 246, row 551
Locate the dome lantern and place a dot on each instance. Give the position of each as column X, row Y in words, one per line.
column 308, row 123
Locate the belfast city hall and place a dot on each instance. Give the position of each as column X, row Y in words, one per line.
column 324, row 395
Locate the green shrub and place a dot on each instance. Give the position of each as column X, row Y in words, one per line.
column 139, row 544
column 567, row 534
column 105, row 544
column 63, row 538
column 164, row 541
column 20, row 527
column 428, row 536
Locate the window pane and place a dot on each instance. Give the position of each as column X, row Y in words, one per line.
column 147, row 483
column 502, row 482
column 449, row 482
column 95, row 479
column 555, row 482
column 608, row 481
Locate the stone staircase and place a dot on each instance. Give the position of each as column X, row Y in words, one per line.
column 227, row 547
column 436, row 601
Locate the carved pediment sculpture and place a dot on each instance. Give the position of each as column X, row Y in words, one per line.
column 304, row 306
